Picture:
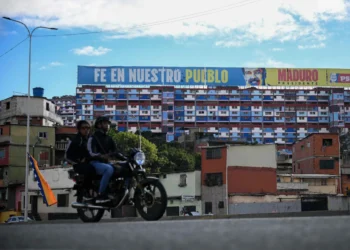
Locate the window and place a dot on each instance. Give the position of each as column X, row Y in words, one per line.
column 221, row 204
column 48, row 106
column 144, row 112
column 8, row 105
column 323, row 113
column 1, row 132
column 43, row 135
column 213, row 153
column 312, row 113
column 323, row 182
column 214, row 179
column 133, row 106
column 268, row 113
column 62, row 200
column 2, row 153
column 326, row 164
column 183, row 180
column 201, row 112
column 327, row 142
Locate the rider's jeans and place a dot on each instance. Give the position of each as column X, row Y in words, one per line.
column 106, row 171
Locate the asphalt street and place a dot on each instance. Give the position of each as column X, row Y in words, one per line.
column 241, row 234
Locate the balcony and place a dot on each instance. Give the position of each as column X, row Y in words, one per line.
column 61, row 145
column 292, row 186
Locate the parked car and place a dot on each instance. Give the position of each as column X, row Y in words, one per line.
column 17, row 219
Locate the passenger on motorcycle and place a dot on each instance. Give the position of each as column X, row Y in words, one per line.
column 101, row 145
column 78, row 155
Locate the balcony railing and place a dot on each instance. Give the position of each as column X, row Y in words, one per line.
column 292, row 186
column 61, row 145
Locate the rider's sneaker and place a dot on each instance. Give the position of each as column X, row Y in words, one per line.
column 87, row 198
column 102, row 199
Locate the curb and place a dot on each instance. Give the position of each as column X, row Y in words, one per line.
column 213, row 217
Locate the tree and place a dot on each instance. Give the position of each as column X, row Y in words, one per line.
column 175, row 158
column 126, row 141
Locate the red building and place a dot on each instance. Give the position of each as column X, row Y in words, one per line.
column 318, row 154
column 236, row 170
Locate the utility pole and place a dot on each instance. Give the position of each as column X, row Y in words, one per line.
column 30, row 34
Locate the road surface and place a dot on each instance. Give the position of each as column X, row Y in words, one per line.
column 240, row 234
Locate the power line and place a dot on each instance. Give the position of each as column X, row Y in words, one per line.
column 14, row 47
column 175, row 19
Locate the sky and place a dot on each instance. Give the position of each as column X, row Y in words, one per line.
column 202, row 33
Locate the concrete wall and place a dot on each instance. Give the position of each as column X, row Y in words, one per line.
column 37, row 107
column 261, row 199
column 171, row 183
column 181, row 204
column 44, row 210
column 215, row 195
column 249, row 180
column 263, row 156
column 336, row 203
column 57, row 178
column 266, row 207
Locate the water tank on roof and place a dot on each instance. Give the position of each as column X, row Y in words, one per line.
column 38, row 92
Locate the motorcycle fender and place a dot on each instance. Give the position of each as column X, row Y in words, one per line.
column 149, row 180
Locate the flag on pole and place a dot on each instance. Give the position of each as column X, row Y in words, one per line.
column 48, row 196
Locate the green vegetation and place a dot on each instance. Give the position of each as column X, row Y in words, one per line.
column 161, row 156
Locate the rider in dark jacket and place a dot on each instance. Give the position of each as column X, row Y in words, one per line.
column 102, row 146
column 78, row 155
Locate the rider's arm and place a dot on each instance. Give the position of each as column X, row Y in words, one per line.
column 114, row 151
column 91, row 146
column 70, row 154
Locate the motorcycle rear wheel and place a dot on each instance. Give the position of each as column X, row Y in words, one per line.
column 81, row 212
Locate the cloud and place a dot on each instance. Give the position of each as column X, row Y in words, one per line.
column 277, row 49
column 54, row 64
column 312, row 46
column 229, row 44
column 237, row 24
column 50, row 65
column 91, row 51
column 268, row 63
column 7, row 33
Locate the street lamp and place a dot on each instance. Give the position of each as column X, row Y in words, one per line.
column 30, row 33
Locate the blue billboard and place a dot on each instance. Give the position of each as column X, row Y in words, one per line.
column 118, row 75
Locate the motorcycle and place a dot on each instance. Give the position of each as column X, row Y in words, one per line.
column 129, row 185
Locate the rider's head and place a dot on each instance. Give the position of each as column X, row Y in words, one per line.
column 83, row 127
column 103, row 123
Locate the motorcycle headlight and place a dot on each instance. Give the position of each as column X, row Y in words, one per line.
column 140, row 158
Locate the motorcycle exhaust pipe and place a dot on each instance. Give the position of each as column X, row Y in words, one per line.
column 90, row 206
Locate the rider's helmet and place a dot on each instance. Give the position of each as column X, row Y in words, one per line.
column 101, row 119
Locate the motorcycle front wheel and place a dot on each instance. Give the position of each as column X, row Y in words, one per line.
column 149, row 206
